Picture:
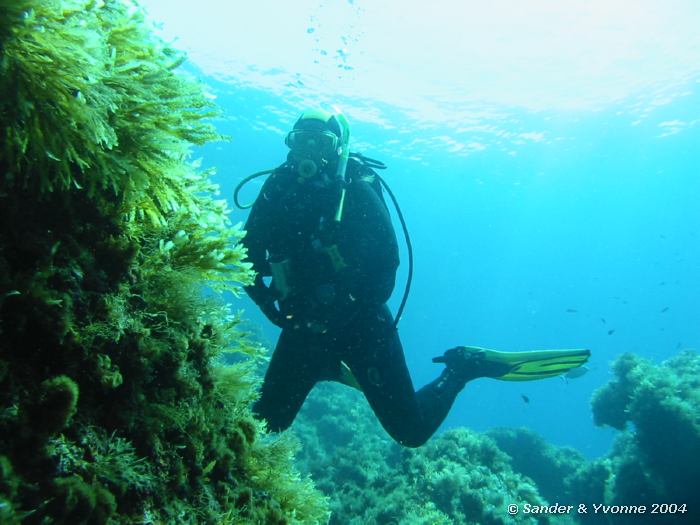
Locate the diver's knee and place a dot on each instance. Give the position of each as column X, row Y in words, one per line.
column 409, row 440
column 413, row 443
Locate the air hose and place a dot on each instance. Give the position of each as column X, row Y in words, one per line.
column 372, row 164
column 409, row 248
column 245, row 181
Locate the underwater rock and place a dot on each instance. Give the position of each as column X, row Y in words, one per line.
column 74, row 501
column 113, row 247
column 547, row 465
column 657, row 458
column 458, row 477
column 56, row 403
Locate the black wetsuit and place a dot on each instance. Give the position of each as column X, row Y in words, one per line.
column 340, row 275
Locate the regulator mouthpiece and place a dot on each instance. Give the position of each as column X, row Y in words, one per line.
column 307, row 168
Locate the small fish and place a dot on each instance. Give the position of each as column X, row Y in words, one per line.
column 602, row 320
column 577, row 372
column 678, row 345
column 525, row 398
column 571, row 311
column 665, row 309
column 662, row 283
column 611, row 332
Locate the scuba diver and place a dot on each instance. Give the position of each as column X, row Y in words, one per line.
column 323, row 247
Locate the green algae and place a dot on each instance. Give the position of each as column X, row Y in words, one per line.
column 552, row 468
column 459, row 477
column 656, row 406
column 115, row 404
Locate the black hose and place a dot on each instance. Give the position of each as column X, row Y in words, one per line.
column 409, row 248
column 376, row 164
column 243, row 183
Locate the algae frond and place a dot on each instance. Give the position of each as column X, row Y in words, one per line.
column 114, row 406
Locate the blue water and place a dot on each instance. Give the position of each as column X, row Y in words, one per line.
column 532, row 229
column 604, row 222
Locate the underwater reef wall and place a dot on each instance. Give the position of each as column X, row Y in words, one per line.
column 551, row 467
column 463, row 477
column 459, row 477
column 656, row 460
column 115, row 405
column 562, row 475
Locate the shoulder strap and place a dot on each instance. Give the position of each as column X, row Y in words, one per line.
column 362, row 171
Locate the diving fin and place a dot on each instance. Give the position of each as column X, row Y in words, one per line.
column 471, row 362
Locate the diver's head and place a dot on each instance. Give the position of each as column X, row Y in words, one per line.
column 315, row 144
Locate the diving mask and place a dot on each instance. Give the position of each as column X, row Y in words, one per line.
column 323, row 143
column 312, row 150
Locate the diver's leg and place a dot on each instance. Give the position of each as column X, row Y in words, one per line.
column 375, row 356
column 296, row 365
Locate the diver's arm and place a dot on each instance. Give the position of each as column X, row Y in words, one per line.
column 258, row 228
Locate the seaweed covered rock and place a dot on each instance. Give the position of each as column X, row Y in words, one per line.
column 53, row 405
column 549, row 466
column 115, row 405
column 470, row 479
column 657, row 459
column 459, row 477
